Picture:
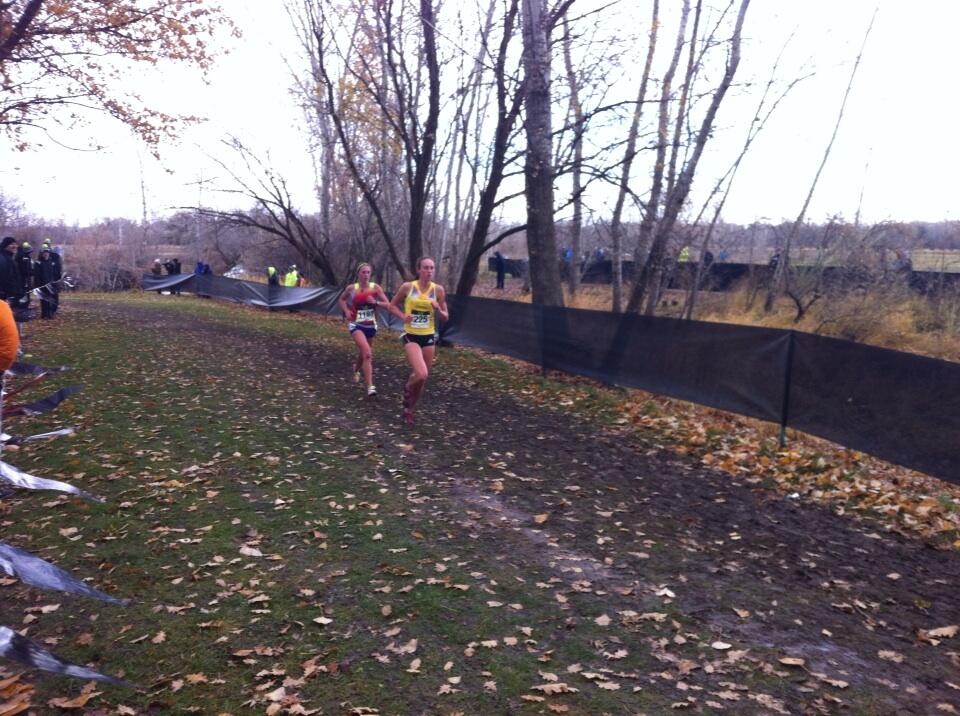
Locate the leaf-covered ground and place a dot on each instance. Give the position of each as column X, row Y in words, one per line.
column 290, row 547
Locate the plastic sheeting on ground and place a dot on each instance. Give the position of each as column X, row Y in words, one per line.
column 898, row 406
column 26, row 481
column 39, row 572
column 28, row 652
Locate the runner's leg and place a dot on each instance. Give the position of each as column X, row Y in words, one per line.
column 418, row 375
column 428, row 354
column 364, row 356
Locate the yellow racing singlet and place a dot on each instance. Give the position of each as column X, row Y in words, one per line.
column 417, row 304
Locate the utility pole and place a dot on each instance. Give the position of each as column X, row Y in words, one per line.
column 196, row 223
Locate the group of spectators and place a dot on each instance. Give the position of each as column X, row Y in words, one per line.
column 20, row 275
column 173, row 267
column 292, row 278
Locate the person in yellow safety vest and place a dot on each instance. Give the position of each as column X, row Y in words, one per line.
column 290, row 279
column 684, row 255
column 273, row 278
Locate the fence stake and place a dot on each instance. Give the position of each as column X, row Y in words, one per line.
column 542, row 330
column 787, row 379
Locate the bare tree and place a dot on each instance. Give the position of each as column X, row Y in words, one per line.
column 677, row 196
column 783, row 264
column 725, row 183
column 616, row 222
column 652, row 267
column 277, row 214
column 383, row 73
column 508, row 110
column 579, row 125
column 538, row 168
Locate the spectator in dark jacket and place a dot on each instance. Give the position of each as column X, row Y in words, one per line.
column 173, row 268
column 25, row 265
column 46, row 274
column 54, row 256
column 11, row 285
column 500, row 266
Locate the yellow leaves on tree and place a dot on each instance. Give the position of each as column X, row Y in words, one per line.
column 72, row 55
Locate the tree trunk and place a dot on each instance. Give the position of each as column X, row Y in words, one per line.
column 538, row 167
column 424, row 158
column 650, row 273
column 616, row 226
column 576, row 228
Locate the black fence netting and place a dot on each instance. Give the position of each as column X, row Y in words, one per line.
column 898, row 406
column 735, row 368
column 507, row 327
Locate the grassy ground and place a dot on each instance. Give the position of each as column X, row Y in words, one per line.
column 289, row 548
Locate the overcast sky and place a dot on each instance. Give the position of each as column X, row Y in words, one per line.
column 897, row 144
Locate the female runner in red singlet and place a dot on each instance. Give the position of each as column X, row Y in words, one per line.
column 358, row 303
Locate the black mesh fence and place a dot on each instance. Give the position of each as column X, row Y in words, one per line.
column 898, row 406
column 904, row 408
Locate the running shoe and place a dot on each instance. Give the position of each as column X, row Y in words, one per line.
column 356, row 376
column 371, row 391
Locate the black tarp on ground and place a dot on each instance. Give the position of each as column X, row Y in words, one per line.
column 897, row 406
column 901, row 407
column 165, row 283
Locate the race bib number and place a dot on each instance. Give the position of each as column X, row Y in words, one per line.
column 420, row 319
column 365, row 315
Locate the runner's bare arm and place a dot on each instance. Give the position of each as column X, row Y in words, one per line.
column 342, row 301
column 381, row 300
column 394, row 306
column 440, row 304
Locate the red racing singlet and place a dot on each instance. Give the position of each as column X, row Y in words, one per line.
column 363, row 305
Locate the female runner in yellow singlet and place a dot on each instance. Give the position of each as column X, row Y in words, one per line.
column 423, row 301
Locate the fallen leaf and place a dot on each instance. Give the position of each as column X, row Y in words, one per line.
column 78, row 702
column 557, row 687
